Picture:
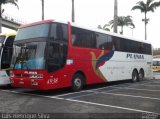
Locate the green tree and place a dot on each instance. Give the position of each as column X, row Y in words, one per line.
column 2, row 2
column 104, row 27
column 149, row 6
column 123, row 21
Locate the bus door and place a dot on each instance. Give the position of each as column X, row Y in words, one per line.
column 7, row 50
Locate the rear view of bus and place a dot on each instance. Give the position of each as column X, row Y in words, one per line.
column 6, row 50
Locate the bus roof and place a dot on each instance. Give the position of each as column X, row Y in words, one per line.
column 84, row 27
column 8, row 34
column 36, row 23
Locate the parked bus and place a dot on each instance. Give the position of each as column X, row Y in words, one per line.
column 156, row 68
column 6, row 50
column 51, row 54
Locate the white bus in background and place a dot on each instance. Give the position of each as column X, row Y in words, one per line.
column 6, row 50
column 156, row 68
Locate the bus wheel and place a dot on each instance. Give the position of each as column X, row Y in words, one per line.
column 141, row 75
column 77, row 82
column 134, row 76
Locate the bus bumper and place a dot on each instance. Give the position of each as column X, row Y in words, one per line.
column 28, row 83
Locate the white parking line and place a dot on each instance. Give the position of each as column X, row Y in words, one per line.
column 90, row 90
column 112, row 106
column 114, row 86
column 118, row 94
column 139, row 89
column 9, row 91
column 148, row 85
column 74, row 93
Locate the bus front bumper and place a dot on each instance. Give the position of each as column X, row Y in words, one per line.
column 28, row 83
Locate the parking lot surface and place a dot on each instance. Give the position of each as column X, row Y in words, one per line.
column 113, row 100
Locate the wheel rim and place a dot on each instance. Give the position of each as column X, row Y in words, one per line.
column 77, row 82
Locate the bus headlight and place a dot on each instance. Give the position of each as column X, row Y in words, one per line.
column 36, row 76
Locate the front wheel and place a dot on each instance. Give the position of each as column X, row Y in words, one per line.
column 134, row 76
column 77, row 82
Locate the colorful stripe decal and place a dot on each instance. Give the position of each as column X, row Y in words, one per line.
column 101, row 61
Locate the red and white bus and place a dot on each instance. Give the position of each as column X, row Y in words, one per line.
column 52, row 54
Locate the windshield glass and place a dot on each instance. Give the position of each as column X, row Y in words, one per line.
column 37, row 31
column 29, row 56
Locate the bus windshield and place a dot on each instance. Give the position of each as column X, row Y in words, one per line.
column 34, row 44
column 29, row 56
column 37, row 31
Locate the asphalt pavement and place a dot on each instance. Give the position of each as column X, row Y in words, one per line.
column 112, row 100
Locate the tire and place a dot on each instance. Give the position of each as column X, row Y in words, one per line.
column 134, row 76
column 77, row 82
column 141, row 75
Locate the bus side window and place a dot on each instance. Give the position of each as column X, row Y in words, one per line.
column 7, row 52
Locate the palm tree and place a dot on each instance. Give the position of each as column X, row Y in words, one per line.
column 104, row 27
column 73, row 16
column 42, row 9
column 149, row 6
column 2, row 2
column 123, row 21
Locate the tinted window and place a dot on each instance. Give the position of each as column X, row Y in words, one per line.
column 90, row 39
column 156, row 63
column 125, row 45
column 104, row 41
column 59, row 32
column 57, row 47
column 83, row 38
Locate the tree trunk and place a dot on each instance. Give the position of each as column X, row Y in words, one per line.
column 73, row 16
column 42, row 9
column 145, row 23
column 115, row 16
column 121, row 30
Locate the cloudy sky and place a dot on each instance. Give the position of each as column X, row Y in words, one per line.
column 89, row 13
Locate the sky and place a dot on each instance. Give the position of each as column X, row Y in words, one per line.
column 89, row 13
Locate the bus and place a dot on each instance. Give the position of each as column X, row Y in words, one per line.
column 51, row 54
column 156, row 68
column 6, row 50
